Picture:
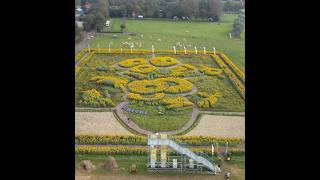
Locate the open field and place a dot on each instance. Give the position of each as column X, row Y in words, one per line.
column 220, row 126
column 163, row 34
column 124, row 161
column 99, row 123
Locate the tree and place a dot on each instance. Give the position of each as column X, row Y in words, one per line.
column 77, row 2
column 232, row 6
column 203, row 9
column 215, row 8
column 122, row 26
column 88, row 22
column 238, row 25
column 77, row 31
column 99, row 21
column 103, row 6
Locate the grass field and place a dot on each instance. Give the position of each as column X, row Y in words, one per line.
column 124, row 162
column 164, row 34
column 171, row 120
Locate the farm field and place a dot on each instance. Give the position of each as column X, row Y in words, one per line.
column 164, row 34
column 220, row 126
column 98, row 123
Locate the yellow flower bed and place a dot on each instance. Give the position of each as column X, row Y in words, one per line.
column 239, row 86
column 144, row 68
column 179, row 70
column 110, row 150
column 160, row 85
column 176, row 102
column 163, row 61
column 79, row 55
column 128, row 63
column 211, row 71
column 234, row 67
column 87, row 58
column 209, row 101
column 142, row 140
column 138, row 97
column 123, row 150
column 93, row 98
column 93, row 93
column 117, row 82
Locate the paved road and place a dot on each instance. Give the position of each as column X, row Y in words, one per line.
column 83, row 43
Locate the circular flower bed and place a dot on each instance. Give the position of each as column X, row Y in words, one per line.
column 128, row 63
column 164, row 61
column 138, row 97
column 166, row 85
column 144, row 68
column 176, row 102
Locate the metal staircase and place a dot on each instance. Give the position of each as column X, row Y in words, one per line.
column 155, row 141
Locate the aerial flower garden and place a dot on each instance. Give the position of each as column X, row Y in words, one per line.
column 170, row 87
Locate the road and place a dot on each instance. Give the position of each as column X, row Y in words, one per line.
column 84, row 42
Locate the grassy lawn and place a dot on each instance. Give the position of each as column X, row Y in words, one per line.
column 164, row 34
column 124, row 162
column 170, row 120
column 238, row 161
column 196, row 61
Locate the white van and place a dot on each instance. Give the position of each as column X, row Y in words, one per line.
column 107, row 23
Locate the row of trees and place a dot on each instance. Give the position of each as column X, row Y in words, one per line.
column 167, row 8
column 96, row 15
column 233, row 6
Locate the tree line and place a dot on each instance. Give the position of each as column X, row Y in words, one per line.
column 100, row 10
column 167, row 8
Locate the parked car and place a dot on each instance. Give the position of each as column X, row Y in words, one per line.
column 140, row 16
column 108, row 23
